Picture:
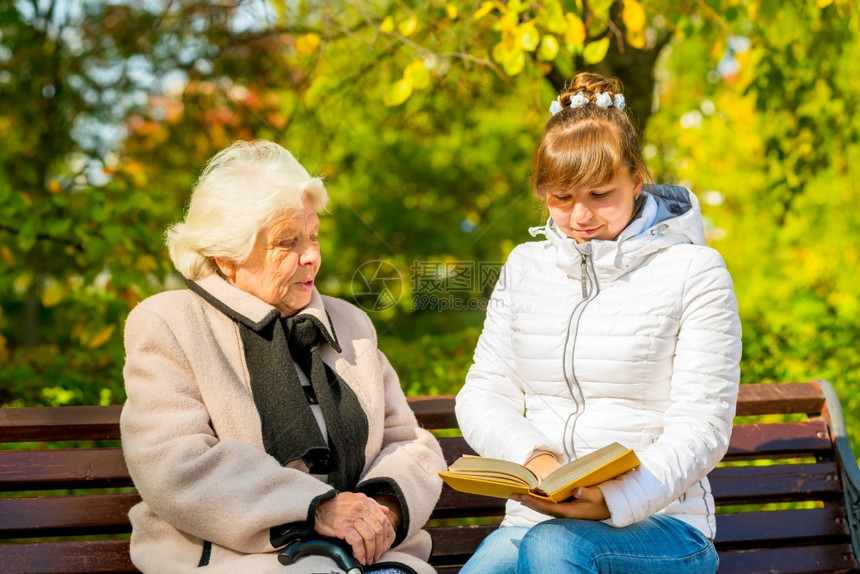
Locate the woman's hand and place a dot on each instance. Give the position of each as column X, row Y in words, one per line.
column 360, row 521
column 586, row 504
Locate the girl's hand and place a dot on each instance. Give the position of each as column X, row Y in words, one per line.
column 586, row 504
column 542, row 465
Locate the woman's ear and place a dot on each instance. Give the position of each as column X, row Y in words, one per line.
column 226, row 267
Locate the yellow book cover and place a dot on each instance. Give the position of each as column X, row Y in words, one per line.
column 502, row 478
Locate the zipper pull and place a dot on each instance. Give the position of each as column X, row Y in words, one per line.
column 584, row 278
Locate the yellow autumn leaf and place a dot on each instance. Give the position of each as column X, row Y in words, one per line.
column 633, row 15
column 594, row 52
column 574, row 35
column 398, row 92
column 101, row 337
column 515, row 62
column 8, row 257
column 132, row 167
column 508, row 22
column 529, row 37
column 22, row 282
column 824, row 3
column 54, row 187
column 501, row 51
column 387, row 24
column 418, row 74
column 548, row 48
column 52, row 294
column 483, row 10
column 636, row 39
column 552, row 16
column 307, row 44
column 146, row 263
column 407, row 27
column 452, row 11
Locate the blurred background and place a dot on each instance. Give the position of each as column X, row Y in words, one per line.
column 422, row 116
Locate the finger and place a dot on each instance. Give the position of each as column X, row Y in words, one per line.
column 378, row 511
column 535, row 503
column 389, row 536
column 592, row 494
column 384, row 540
column 368, row 535
column 356, row 541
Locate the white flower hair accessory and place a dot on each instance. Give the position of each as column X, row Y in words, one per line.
column 578, row 100
column 603, row 99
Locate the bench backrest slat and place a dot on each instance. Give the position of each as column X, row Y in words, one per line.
column 777, row 483
column 66, row 468
column 796, row 439
column 784, row 528
column 815, row 559
column 66, row 515
column 753, row 399
column 59, row 423
column 779, row 398
column 72, row 557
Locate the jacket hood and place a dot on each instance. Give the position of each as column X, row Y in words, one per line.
column 671, row 215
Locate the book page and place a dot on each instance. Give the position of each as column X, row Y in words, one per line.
column 582, row 466
column 493, row 469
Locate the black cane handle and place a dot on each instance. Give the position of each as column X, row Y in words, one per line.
column 300, row 548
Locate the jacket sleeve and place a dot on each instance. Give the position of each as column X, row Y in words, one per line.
column 408, row 462
column 698, row 421
column 224, row 491
column 490, row 407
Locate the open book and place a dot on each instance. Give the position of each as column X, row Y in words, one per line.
column 502, row 478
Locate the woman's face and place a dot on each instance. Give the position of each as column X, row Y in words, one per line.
column 283, row 264
column 599, row 213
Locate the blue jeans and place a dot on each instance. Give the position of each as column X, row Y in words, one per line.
column 657, row 545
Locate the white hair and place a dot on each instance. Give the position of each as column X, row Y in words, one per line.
column 240, row 191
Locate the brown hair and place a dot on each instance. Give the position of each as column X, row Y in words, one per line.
column 584, row 147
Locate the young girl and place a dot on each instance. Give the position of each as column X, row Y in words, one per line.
column 621, row 327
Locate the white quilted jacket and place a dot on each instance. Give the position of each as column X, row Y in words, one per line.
column 635, row 340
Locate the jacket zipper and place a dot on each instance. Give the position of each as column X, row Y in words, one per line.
column 573, row 331
column 584, row 276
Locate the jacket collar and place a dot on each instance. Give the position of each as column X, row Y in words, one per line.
column 670, row 216
column 255, row 313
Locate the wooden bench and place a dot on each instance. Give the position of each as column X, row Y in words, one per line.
column 787, row 491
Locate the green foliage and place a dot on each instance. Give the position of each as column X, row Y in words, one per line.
column 431, row 364
column 422, row 116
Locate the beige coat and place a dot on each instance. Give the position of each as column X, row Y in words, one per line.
column 192, row 438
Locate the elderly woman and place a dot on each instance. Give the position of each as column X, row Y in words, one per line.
column 258, row 410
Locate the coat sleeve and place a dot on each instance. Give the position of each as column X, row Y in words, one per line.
column 698, row 421
column 490, row 407
column 224, row 491
column 408, row 462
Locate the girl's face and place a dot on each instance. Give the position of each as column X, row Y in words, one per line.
column 599, row 213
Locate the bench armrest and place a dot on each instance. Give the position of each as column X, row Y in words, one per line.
column 846, row 460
